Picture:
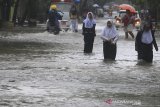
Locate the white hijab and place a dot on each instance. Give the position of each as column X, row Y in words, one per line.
column 109, row 33
column 147, row 37
column 89, row 22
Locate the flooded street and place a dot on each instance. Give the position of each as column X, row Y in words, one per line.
column 46, row 70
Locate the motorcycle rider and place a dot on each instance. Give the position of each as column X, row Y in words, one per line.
column 53, row 16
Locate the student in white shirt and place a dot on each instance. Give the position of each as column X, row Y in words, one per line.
column 109, row 36
column 144, row 43
column 88, row 30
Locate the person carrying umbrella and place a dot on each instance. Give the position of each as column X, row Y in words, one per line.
column 128, row 21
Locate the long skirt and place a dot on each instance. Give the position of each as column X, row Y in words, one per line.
column 146, row 52
column 88, row 42
column 109, row 50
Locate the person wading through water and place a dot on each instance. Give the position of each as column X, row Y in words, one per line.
column 128, row 21
column 88, row 30
column 144, row 43
column 109, row 36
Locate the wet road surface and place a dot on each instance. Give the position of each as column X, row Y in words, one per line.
column 46, row 70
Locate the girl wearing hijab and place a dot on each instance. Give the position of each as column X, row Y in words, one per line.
column 144, row 43
column 88, row 30
column 109, row 36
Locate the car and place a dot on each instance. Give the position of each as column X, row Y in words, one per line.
column 118, row 19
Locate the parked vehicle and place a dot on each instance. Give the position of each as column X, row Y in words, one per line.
column 137, row 21
column 100, row 12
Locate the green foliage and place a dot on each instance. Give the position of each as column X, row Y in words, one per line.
column 100, row 2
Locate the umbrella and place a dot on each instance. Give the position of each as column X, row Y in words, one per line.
column 95, row 5
column 127, row 7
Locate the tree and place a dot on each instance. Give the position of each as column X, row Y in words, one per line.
column 101, row 2
column 152, row 5
column 86, row 5
column 15, row 11
column 31, row 10
column 42, row 9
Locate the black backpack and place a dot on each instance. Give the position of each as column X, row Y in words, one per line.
column 52, row 18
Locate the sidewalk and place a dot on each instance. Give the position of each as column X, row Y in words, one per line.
column 38, row 28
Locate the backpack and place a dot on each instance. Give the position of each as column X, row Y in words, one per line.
column 52, row 18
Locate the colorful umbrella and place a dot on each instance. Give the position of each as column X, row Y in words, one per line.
column 127, row 7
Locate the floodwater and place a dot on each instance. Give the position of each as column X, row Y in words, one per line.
column 46, row 70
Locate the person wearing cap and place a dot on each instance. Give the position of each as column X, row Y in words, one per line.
column 145, row 40
column 109, row 36
column 53, row 16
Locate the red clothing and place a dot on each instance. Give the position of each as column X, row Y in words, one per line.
column 126, row 20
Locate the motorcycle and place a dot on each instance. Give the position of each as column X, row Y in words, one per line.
column 52, row 29
column 55, row 28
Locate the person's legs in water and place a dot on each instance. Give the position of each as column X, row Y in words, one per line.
column 131, row 33
column 126, row 32
column 126, row 35
column 74, row 26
